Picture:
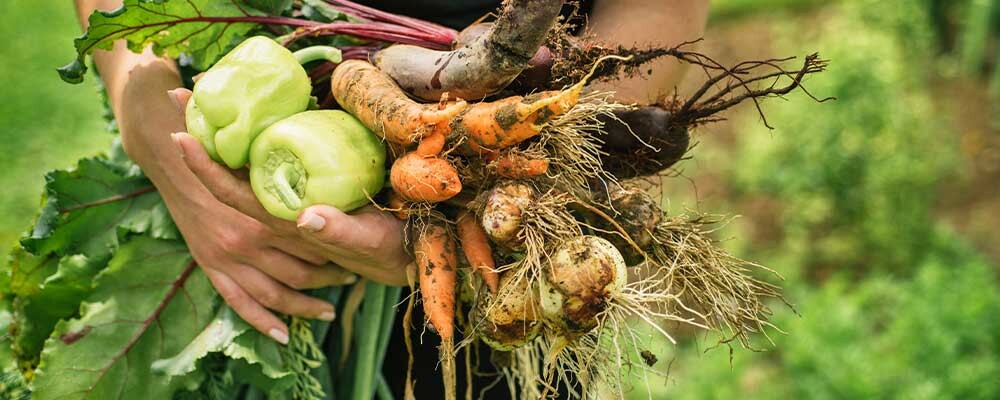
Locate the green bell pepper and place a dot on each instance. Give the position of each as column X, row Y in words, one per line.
column 316, row 157
column 253, row 86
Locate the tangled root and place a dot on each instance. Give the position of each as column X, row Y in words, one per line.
column 719, row 289
column 573, row 144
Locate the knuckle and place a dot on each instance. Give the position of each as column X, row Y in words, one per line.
column 233, row 297
column 255, row 231
column 271, row 299
column 241, row 241
column 226, row 193
column 299, row 279
column 233, row 243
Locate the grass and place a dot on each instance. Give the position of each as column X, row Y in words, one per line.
column 47, row 124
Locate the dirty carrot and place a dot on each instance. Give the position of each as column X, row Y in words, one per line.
column 424, row 179
column 437, row 259
column 477, row 249
column 516, row 165
column 373, row 97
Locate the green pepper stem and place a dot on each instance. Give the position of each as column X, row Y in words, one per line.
column 315, row 53
column 285, row 190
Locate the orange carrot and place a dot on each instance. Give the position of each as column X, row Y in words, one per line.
column 514, row 165
column 503, row 123
column 424, row 179
column 374, row 98
column 431, row 145
column 477, row 249
column 437, row 260
column 398, row 206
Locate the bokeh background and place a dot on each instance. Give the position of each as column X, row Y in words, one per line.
column 881, row 210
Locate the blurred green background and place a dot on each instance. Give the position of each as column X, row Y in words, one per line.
column 881, row 209
column 44, row 123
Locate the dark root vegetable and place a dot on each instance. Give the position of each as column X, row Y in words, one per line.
column 512, row 318
column 584, row 275
column 481, row 67
column 642, row 141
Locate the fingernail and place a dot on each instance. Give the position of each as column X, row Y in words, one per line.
column 351, row 279
column 177, row 142
column 312, row 222
column 278, row 335
column 327, row 316
column 172, row 94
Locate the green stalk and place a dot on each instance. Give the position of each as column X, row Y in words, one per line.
column 322, row 328
column 316, row 53
column 283, row 185
column 367, row 342
column 388, row 316
column 382, row 391
column 323, row 372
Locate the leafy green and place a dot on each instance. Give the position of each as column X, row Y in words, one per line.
column 150, row 302
column 87, row 212
column 201, row 29
column 853, row 175
column 47, row 289
column 228, row 334
column 12, row 384
column 272, row 7
column 932, row 336
column 320, row 10
column 88, row 208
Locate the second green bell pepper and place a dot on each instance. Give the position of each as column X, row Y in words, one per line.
column 253, row 86
column 316, row 157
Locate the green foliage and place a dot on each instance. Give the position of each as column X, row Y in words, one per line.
column 88, row 211
column 88, row 208
column 854, row 174
column 101, row 288
column 255, row 359
column 978, row 27
column 934, row 336
column 45, row 289
column 901, row 308
column 272, row 7
column 149, row 302
column 729, row 9
column 171, row 27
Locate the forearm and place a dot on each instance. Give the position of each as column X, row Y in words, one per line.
column 137, row 86
column 648, row 23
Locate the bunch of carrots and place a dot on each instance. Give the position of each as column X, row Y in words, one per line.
column 520, row 235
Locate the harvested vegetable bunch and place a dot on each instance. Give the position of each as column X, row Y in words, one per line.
column 316, row 157
column 253, row 86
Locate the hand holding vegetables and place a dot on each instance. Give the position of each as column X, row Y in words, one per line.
column 267, row 256
column 368, row 242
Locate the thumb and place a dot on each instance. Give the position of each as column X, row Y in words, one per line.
column 334, row 227
column 180, row 98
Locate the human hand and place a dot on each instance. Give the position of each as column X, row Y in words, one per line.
column 367, row 241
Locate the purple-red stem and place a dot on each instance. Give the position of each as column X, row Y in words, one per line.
column 362, row 11
column 379, row 31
